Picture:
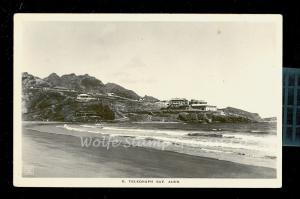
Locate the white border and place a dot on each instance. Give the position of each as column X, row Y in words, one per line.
column 19, row 181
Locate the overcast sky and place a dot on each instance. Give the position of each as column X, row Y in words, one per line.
column 225, row 63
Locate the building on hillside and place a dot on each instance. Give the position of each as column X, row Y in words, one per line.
column 204, row 107
column 193, row 101
column 111, row 94
column 178, row 103
column 85, row 98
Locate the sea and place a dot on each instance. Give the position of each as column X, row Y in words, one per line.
column 253, row 144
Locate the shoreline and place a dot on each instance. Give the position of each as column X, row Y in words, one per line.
column 140, row 162
column 234, row 155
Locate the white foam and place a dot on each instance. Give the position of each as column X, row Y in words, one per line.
column 252, row 138
column 237, row 141
column 215, row 151
column 88, row 126
column 149, row 131
column 65, row 126
column 71, row 128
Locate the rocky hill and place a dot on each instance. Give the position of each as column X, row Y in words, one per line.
column 120, row 91
column 238, row 112
column 84, row 83
column 41, row 100
column 81, row 83
column 148, row 98
column 29, row 80
column 48, row 105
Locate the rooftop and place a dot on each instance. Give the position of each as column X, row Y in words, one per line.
column 178, row 98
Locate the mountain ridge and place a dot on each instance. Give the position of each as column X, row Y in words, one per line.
column 46, row 99
column 81, row 83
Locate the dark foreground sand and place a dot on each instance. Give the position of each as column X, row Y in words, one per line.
column 53, row 155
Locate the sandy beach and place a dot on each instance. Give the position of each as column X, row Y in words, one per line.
column 61, row 155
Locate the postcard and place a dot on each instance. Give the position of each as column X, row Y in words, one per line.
column 147, row 100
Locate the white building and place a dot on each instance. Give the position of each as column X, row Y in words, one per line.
column 111, row 94
column 204, row 107
column 85, row 98
column 193, row 101
column 178, row 103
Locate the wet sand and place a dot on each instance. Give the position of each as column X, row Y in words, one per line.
column 57, row 155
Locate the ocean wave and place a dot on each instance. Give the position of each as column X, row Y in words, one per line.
column 67, row 127
column 244, row 142
column 259, row 132
column 88, row 126
column 215, row 151
column 252, row 138
column 156, row 122
column 148, row 131
column 215, row 135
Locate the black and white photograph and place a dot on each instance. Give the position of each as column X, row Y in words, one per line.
column 147, row 100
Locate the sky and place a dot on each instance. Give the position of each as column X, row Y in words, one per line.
column 226, row 63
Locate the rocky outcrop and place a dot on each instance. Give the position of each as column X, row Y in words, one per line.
column 120, row 91
column 29, row 80
column 84, row 83
column 53, row 79
column 212, row 118
column 81, row 83
column 148, row 98
column 230, row 111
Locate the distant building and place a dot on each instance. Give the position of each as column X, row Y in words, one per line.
column 85, row 98
column 220, row 112
column 60, row 88
column 193, row 101
column 204, row 107
column 178, row 103
column 291, row 106
column 111, row 94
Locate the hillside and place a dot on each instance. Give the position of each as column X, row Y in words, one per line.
column 47, row 100
column 120, row 91
column 80, row 83
column 148, row 98
column 58, row 106
column 238, row 112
